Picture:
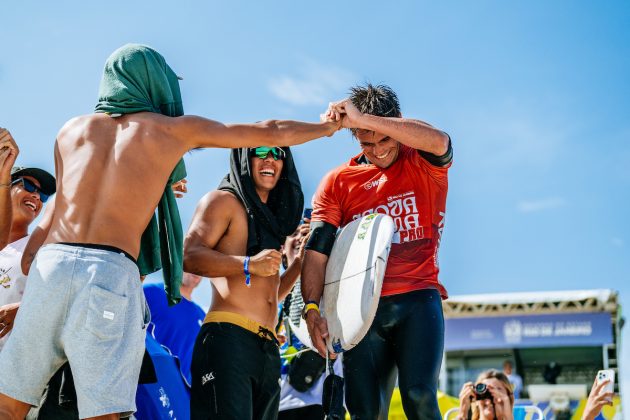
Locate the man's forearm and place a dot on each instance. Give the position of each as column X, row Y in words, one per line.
column 413, row 133
column 313, row 275
column 200, row 132
column 291, row 133
column 210, row 263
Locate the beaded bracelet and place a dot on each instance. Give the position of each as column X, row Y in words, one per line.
column 248, row 277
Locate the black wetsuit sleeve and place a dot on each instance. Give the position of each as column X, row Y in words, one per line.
column 322, row 238
column 436, row 160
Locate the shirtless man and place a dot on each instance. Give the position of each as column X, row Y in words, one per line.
column 234, row 239
column 111, row 170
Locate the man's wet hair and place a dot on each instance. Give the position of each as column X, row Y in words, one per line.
column 379, row 100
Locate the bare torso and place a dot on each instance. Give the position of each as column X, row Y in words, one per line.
column 111, row 174
column 258, row 302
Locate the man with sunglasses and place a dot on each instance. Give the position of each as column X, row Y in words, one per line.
column 29, row 190
column 114, row 167
column 401, row 171
column 235, row 239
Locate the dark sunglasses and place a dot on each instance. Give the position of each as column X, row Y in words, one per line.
column 263, row 152
column 32, row 188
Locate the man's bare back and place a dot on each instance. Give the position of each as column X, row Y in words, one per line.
column 112, row 173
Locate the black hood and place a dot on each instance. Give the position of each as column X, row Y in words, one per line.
column 268, row 224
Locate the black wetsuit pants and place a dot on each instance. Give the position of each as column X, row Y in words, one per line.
column 406, row 337
column 235, row 374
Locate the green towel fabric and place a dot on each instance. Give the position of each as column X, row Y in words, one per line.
column 136, row 78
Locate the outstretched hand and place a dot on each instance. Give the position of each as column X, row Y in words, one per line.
column 8, row 153
column 343, row 111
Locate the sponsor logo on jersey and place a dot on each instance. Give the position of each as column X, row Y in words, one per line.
column 404, row 210
column 373, row 184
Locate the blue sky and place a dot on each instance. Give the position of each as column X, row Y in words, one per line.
column 536, row 96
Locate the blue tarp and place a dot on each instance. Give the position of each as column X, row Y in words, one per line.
column 169, row 398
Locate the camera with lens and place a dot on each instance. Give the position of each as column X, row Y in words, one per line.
column 482, row 392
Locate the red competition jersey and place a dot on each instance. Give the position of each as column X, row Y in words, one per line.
column 413, row 192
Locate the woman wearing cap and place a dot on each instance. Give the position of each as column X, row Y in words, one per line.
column 29, row 188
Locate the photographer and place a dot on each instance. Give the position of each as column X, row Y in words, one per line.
column 490, row 398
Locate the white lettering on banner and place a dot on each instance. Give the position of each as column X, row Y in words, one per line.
column 481, row 334
column 573, row 328
column 404, row 210
column 514, row 330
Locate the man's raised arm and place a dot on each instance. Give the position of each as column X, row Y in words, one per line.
column 201, row 132
column 8, row 154
column 410, row 132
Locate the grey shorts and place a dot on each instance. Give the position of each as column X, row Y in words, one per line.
column 85, row 306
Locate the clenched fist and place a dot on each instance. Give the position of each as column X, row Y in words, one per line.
column 266, row 263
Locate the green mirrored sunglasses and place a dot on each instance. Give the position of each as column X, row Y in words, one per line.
column 263, row 152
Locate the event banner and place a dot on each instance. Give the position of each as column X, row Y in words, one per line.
column 579, row 329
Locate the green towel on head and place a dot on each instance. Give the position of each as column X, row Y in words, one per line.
column 136, row 78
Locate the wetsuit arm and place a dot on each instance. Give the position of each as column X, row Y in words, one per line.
column 201, row 132
column 313, row 274
column 209, row 224
column 439, row 161
column 410, row 132
column 318, row 248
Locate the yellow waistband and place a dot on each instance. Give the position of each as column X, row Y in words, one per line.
column 241, row 321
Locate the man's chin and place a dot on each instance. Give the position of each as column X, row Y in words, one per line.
column 266, row 186
column 384, row 165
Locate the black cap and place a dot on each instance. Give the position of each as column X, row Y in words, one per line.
column 46, row 180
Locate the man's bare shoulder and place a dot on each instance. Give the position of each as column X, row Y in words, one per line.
column 148, row 123
column 74, row 125
column 220, row 202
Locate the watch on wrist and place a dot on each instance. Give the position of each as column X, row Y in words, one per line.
column 310, row 305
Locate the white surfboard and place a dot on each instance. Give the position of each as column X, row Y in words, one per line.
column 354, row 277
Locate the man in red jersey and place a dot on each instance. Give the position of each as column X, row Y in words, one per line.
column 401, row 171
